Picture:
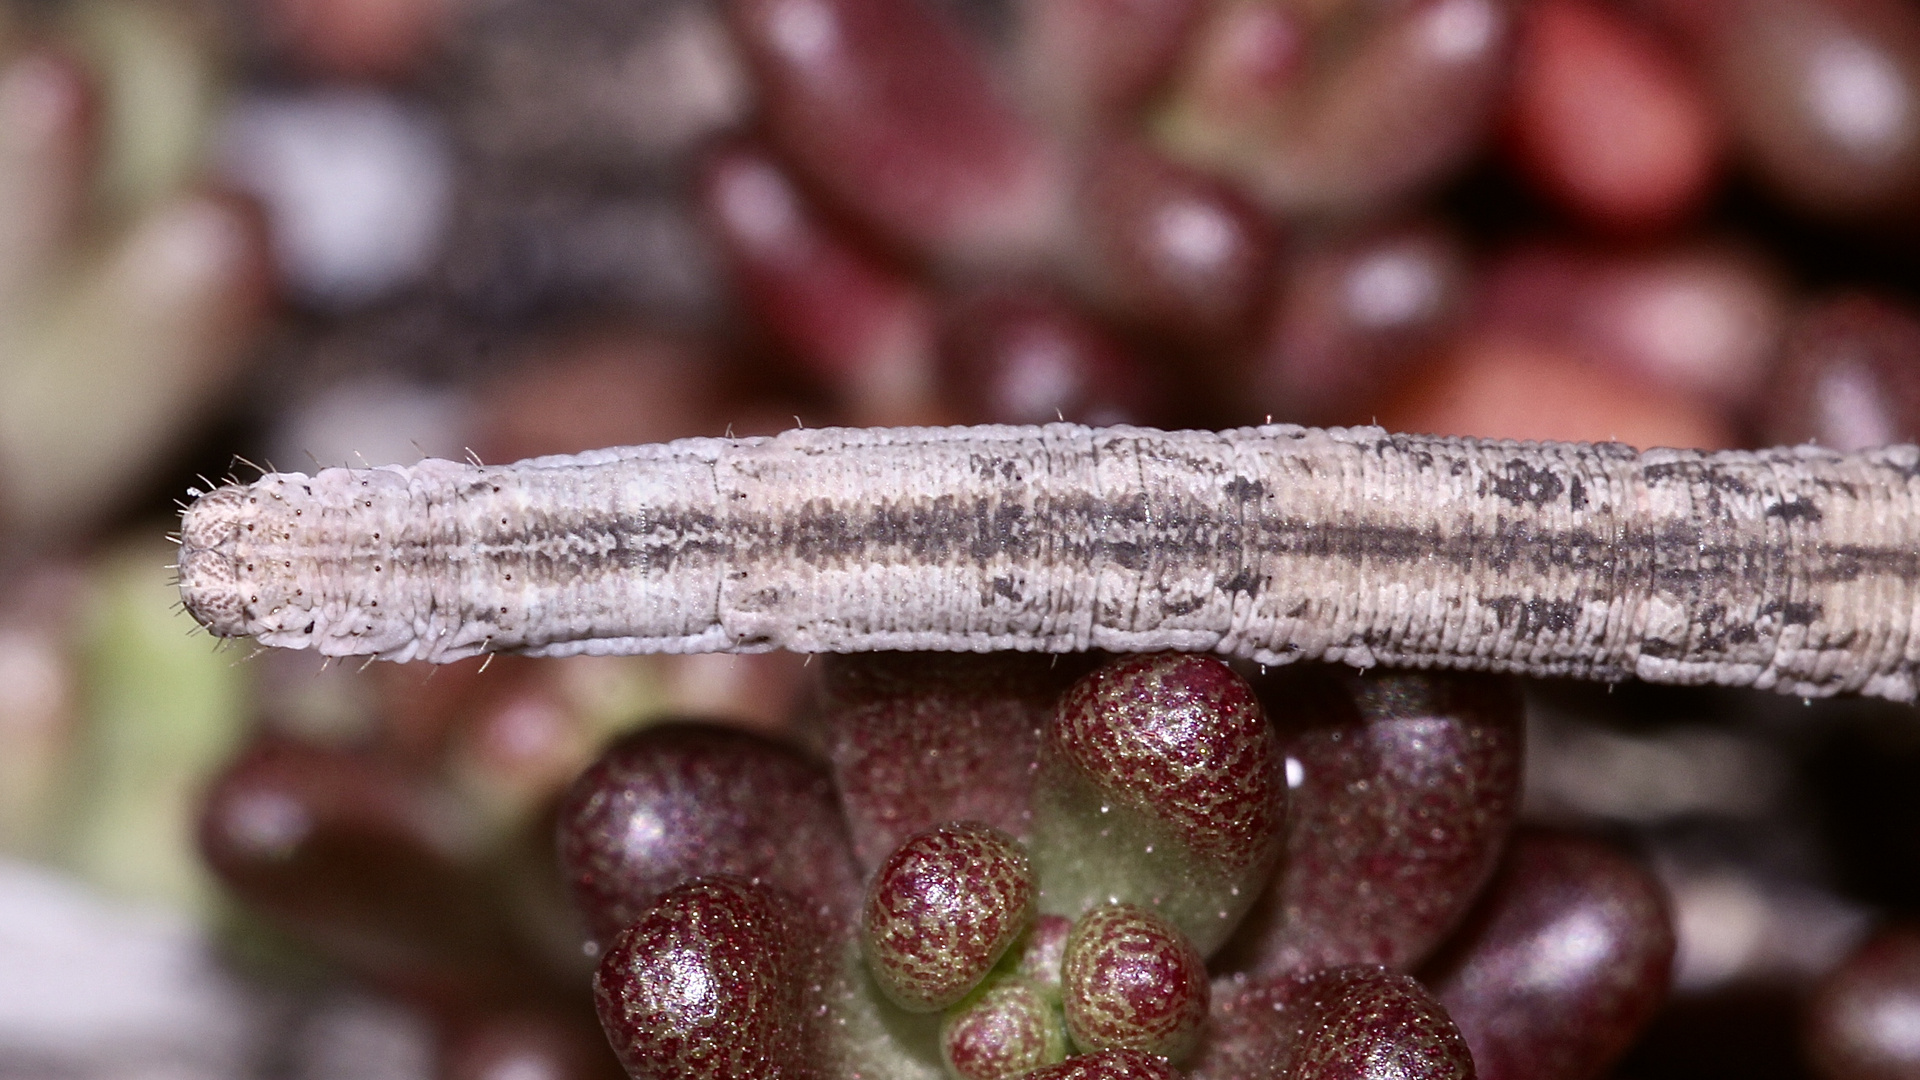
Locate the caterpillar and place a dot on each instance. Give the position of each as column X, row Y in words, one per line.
column 1793, row 569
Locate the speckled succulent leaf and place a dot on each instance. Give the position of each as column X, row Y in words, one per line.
column 888, row 108
column 1160, row 784
column 711, row 982
column 916, row 739
column 1371, row 107
column 1007, row 1027
column 848, row 319
column 1250, row 1030
column 1857, row 348
column 774, row 955
column 1108, row 1065
column 679, row 800
column 1350, row 1023
column 1136, row 265
column 355, row 856
column 1408, row 788
column 1367, row 1023
column 1846, row 1024
column 1013, row 353
column 1132, row 980
column 1563, row 961
column 941, row 911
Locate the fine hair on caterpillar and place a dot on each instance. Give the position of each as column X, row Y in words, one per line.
column 1794, row 569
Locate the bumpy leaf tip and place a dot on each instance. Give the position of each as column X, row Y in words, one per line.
column 1131, row 980
column 1161, row 783
column 942, row 910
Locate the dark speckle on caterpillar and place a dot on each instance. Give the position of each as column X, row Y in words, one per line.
column 1795, row 569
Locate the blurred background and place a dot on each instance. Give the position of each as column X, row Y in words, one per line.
column 250, row 234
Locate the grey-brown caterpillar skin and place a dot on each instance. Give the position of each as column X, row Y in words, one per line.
column 1792, row 569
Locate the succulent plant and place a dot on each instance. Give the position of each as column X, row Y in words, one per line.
column 1159, row 790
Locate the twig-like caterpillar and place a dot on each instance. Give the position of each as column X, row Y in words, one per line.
column 1792, row 569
